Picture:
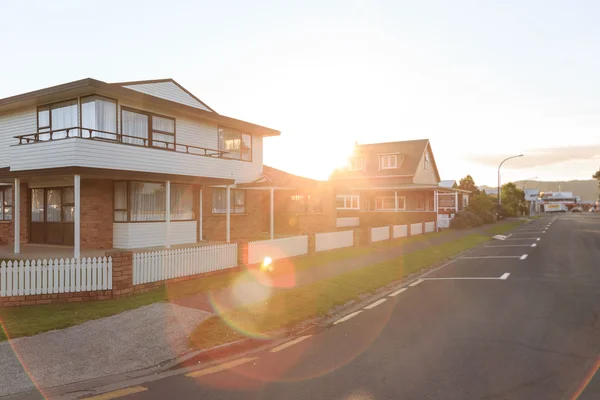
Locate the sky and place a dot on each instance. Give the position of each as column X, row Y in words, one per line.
column 482, row 80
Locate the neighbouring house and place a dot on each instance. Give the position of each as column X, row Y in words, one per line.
column 98, row 165
column 391, row 183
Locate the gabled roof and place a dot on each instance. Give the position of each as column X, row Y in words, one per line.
column 167, row 89
column 410, row 152
column 449, row 183
column 276, row 178
column 88, row 86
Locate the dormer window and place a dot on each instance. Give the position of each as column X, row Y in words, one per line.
column 388, row 161
column 356, row 164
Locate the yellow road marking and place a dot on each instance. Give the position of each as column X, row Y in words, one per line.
column 118, row 393
column 220, row 367
column 288, row 344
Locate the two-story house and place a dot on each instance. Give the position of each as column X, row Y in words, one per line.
column 388, row 183
column 98, row 165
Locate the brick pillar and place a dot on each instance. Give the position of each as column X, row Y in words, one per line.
column 312, row 239
column 242, row 256
column 362, row 236
column 122, row 264
column 391, row 232
column 423, row 228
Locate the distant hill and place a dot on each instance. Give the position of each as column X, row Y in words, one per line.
column 587, row 189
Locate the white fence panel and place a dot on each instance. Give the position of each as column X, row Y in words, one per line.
column 347, row 222
column 400, row 231
column 154, row 266
column 23, row 278
column 416, row 229
column 333, row 240
column 381, row 233
column 277, row 248
column 429, row 227
column 443, row 220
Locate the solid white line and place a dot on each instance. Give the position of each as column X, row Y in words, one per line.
column 464, row 278
column 509, row 235
column 525, row 238
column 482, row 257
column 524, row 256
column 397, row 292
column 373, row 305
column 538, row 239
column 347, row 317
column 504, row 276
column 415, row 283
column 509, row 245
column 544, row 232
column 288, row 344
column 533, row 245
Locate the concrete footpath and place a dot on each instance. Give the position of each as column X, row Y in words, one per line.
column 144, row 337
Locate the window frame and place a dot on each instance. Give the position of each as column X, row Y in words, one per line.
column 382, row 199
column 346, row 197
column 304, row 200
column 225, row 152
column 232, row 201
column 106, row 98
column 49, row 107
column 128, row 200
column 362, row 164
column 426, row 160
column 421, row 197
column 151, row 130
column 2, row 206
column 388, row 156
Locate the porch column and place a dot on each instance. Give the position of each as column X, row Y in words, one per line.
column 272, row 214
column 200, row 217
column 435, row 201
column 168, row 215
column 17, row 215
column 228, row 215
column 395, row 201
column 456, row 201
column 77, row 216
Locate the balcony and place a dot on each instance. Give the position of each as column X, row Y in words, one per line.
column 83, row 147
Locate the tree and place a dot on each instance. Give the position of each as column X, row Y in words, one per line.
column 483, row 206
column 513, row 200
column 597, row 177
column 467, row 183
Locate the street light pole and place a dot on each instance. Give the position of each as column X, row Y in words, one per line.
column 499, row 194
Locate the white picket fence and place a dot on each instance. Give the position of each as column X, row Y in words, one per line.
column 429, row 227
column 380, row 233
column 416, row 229
column 400, row 231
column 22, row 278
column 333, row 240
column 154, row 266
column 277, row 248
column 347, row 222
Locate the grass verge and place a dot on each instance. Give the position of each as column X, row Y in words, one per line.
column 27, row 321
column 288, row 308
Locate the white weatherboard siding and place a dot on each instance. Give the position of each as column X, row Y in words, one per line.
column 416, row 229
column 168, row 91
column 151, row 234
column 381, row 233
column 400, row 231
column 99, row 154
column 333, row 240
column 347, row 221
column 429, row 227
column 18, row 123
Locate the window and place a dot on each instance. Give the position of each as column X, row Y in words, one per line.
column 238, row 145
column 147, row 129
column 68, row 204
column 420, row 202
column 147, row 201
column 426, row 166
column 100, row 114
column 356, row 164
column 347, row 201
column 120, row 202
column 389, row 161
column 182, row 202
column 401, row 203
column 57, row 117
column 6, row 201
column 305, row 203
column 385, row 203
column 219, row 203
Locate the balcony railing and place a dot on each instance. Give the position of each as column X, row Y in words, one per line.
column 95, row 134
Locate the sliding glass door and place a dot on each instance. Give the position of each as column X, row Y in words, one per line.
column 52, row 212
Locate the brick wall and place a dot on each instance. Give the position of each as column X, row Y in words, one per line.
column 300, row 223
column 245, row 226
column 7, row 227
column 96, row 214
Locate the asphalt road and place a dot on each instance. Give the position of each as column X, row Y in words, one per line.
column 532, row 334
column 495, row 324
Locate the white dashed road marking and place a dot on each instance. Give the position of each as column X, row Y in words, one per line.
column 524, row 256
column 288, row 344
column 505, row 276
column 510, row 245
column 524, row 238
column 533, row 245
column 470, row 278
column 397, row 292
column 486, row 257
column 373, row 305
column 415, row 283
column 347, row 317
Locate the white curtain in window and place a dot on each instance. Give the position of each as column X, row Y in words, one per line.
column 99, row 114
column 134, row 124
column 182, row 202
column 219, row 201
column 147, row 201
column 120, row 201
column 64, row 115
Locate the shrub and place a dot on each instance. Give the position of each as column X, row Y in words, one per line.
column 465, row 219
